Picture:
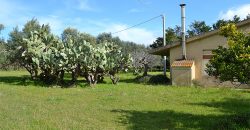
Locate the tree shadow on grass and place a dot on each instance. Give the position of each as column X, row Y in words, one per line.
column 230, row 105
column 237, row 116
column 128, row 81
column 247, row 91
column 149, row 80
column 157, row 120
column 16, row 80
column 238, row 110
column 25, row 80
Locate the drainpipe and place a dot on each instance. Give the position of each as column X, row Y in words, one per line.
column 183, row 31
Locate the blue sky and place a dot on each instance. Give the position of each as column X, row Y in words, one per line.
column 97, row 16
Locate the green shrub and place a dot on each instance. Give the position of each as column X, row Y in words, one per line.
column 153, row 79
column 159, row 79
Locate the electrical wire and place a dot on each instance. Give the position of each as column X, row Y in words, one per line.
column 137, row 24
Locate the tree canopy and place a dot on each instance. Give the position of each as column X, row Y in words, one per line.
column 197, row 28
column 232, row 63
column 172, row 34
column 223, row 22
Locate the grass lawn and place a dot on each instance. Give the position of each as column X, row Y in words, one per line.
column 26, row 105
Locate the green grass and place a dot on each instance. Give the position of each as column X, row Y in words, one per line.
column 26, row 105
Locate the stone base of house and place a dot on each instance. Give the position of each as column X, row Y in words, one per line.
column 208, row 81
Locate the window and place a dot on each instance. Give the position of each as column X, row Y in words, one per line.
column 206, row 56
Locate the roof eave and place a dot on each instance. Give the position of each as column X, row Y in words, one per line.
column 165, row 49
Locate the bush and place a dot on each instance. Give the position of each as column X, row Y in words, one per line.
column 232, row 63
column 153, row 79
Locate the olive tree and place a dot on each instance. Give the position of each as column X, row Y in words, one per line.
column 143, row 61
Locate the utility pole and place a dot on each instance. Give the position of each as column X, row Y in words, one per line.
column 164, row 44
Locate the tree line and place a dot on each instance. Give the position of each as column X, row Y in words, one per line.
column 195, row 28
column 48, row 57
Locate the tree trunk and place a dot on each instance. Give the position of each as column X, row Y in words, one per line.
column 114, row 79
column 113, row 76
column 75, row 73
column 92, row 80
column 100, row 78
column 33, row 75
column 145, row 73
column 73, row 76
column 61, row 76
column 36, row 73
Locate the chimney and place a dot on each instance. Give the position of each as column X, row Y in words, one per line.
column 183, row 31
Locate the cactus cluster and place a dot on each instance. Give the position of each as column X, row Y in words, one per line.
column 48, row 54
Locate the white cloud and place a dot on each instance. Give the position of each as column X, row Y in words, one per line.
column 10, row 10
column 57, row 26
column 241, row 11
column 84, row 5
column 134, row 10
column 137, row 35
column 14, row 13
column 145, row 2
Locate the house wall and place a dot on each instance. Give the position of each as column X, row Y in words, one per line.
column 195, row 49
column 245, row 28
